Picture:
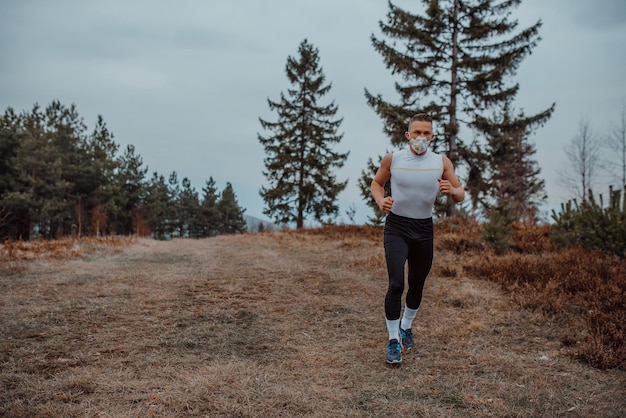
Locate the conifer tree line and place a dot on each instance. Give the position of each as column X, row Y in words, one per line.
column 58, row 179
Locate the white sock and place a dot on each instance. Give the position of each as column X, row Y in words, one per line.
column 393, row 328
column 408, row 317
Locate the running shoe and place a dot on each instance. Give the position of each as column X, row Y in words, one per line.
column 394, row 354
column 408, row 341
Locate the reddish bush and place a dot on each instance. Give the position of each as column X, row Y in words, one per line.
column 572, row 284
column 531, row 239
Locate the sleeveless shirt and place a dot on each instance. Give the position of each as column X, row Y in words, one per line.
column 414, row 185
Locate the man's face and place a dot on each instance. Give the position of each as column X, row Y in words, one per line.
column 420, row 128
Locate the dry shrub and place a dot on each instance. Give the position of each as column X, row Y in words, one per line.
column 458, row 235
column 456, row 224
column 14, row 255
column 445, row 270
column 458, row 244
column 531, row 238
column 20, row 250
column 572, row 285
column 605, row 347
column 334, row 232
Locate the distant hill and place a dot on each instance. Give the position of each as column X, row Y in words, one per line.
column 254, row 222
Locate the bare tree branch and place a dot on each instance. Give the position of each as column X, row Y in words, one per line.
column 582, row 153
column 615, row 144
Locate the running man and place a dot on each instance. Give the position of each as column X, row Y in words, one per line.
column 417, row 175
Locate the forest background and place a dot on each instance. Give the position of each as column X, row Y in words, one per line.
column 178, row 84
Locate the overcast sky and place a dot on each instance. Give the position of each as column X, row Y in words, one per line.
column 186, row 81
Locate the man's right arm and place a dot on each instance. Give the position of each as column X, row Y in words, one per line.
column 377, row 187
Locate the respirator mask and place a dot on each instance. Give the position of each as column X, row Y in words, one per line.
column 419, row 144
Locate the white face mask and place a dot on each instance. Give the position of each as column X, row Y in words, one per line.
column 419, row 144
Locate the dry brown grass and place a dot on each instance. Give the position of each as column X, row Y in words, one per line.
column 281, row 324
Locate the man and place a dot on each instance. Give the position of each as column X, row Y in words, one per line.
column 417, row 175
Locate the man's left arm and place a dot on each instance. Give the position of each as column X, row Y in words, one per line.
column 449, row 183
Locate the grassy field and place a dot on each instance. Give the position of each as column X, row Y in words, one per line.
column 278, row 324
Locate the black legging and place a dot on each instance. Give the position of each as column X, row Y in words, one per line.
column 409, row 240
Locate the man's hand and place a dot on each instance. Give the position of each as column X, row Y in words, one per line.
column 456, row 193
column 386, row 204
column 444, row 186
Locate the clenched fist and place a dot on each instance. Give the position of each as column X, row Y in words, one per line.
column 386, row 204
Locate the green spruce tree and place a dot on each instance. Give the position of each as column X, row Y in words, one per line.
column 156, row 206
column 231, row 214
column 130, row 179
column 210, row 214
column 174, row 220
column 99, row 170
column 14, row 210
column 189, row 204
column 455, row 62
column 507, row 178
column 65, row 135
column 300, row 157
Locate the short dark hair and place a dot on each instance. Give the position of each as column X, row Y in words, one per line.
column 425, row 117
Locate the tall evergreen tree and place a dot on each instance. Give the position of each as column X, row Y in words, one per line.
column 65, row 137
column 231, row 214
column 509, row 176
column 156, row 206
column 455, row 61
column 99, row 173
column 189, row 204
column 174, row 221
column 211, row 217
column 300, row 159
column 130, row 179
column 14, row 212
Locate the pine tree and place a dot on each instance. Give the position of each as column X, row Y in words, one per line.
column 211, row 217
column 231, row 214
column 14, row 213
column 98, row 172
column 156, row 206
column 593, row 223
column 174, row 221
column 455, row 62
column 65, row 138
column 130, row 179
column 189, row 204
column 300, row 159
column 509, row 177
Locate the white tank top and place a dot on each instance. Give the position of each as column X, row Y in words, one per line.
column 414, row 185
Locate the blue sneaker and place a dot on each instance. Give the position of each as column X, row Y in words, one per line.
column 408, row 341
column 394, row 354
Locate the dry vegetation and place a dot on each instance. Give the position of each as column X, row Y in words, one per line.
column 291, row 324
